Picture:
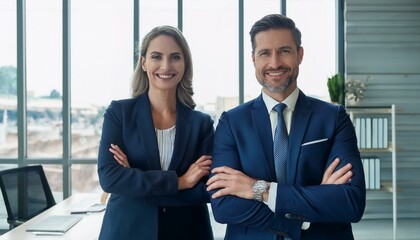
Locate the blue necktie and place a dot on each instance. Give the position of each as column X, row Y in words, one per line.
column 281, row 144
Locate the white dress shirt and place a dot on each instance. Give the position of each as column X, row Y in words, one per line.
column 290, row 101
column 165, row 139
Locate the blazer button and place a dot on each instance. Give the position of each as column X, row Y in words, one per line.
column 288, row 215
column 163, row 209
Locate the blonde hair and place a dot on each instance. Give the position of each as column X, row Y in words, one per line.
column 140, row 81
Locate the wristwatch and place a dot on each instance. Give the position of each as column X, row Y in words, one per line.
column 259, row 188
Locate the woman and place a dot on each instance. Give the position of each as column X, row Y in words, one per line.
column 154, row 154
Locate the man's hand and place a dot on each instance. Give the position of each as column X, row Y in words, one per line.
column 341, row 176
column 230, row 182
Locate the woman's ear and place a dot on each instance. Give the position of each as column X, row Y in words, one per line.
column 142, row 62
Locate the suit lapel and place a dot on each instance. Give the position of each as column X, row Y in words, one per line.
column 262, row 125
column 146, row 130
column 300, row 121
column 183, row 128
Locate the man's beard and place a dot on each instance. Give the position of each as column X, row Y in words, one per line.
column 281, row 88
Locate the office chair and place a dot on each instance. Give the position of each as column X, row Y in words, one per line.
column 26, row 193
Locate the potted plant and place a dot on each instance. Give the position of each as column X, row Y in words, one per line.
column 335, row 85
column 355, row 90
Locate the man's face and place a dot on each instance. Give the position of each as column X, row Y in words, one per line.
column 276, row 61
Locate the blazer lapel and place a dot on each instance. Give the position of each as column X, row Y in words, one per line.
column 300, row 121
column 261, row 120
column 183, row 128
column 146, row 130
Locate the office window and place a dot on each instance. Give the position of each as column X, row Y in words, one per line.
column 101, row 67
column 253, row 11
column 318, row 41
column 155, row 13
column 8, row 80
column 84, row 178
column 54, row 174
column 44, row 78
column 209, row 27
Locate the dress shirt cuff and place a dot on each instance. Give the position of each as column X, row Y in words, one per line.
column 272, row 195
column 271, row 203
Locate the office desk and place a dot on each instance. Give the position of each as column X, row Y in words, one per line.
column 87, row 229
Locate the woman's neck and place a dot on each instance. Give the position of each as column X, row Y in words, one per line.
column 163, row 106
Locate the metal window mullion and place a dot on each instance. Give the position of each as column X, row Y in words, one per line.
column 66, row 100
column 136, row 31
column 180, row 15
column 241, row 50
column 283, row 7
column 21, row 82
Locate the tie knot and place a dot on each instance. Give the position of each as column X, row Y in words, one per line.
column 279, row 108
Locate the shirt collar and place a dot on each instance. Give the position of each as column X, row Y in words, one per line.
column 290, row 101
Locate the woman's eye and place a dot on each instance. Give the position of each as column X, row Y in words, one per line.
column 156, row 57
column 176, row 57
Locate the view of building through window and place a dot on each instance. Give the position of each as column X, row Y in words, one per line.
column 102, row 62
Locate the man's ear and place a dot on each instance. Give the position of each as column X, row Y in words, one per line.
column 300, row 55
column 253, row 57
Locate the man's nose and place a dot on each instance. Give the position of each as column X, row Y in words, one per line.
column 275, row 61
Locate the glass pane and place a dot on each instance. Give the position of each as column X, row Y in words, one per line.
column 101, row 66
column 85, row 178
column 210, row 28
column 44, row 78
column 157, row 12
column 8, row 81
column 319, row 43
column 254, row 11
column 54, row 174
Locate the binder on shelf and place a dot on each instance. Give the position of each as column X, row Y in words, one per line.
column 377, row 173
column 365, row 162
column 375, row 132
column 368, row 132
column 362, row 132
column 357, row 130
column 372, row 171
column 385, row 135
column 380, row 132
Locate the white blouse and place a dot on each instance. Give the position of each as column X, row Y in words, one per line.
column 165, row 139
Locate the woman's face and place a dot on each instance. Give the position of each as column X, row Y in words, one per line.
column 164, row 63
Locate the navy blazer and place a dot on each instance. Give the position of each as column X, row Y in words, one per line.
column 319, row 133
column 144, row 197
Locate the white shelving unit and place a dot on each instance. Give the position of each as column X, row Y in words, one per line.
column 365, row 111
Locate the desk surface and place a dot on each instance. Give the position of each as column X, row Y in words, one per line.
column 87, row 229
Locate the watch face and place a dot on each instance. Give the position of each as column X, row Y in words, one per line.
column 260, row 185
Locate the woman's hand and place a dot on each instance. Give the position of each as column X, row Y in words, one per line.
column 119, row 156
column 195, row 172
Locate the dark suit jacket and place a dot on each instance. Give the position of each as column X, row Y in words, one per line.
column 243, row 141
column 144, row 199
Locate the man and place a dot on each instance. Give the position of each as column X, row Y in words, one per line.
column 306, row 197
